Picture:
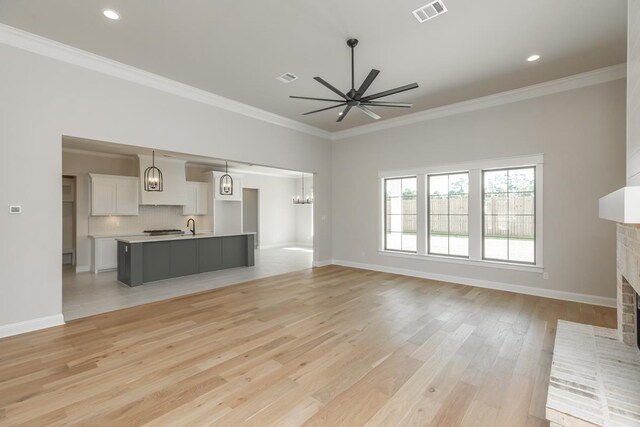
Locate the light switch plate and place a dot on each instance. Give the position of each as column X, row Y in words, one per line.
column 15, row 210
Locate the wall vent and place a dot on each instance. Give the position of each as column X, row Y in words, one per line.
column 429, row 11
column 287, row 78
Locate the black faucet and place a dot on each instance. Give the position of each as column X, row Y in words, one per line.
column 193, row 230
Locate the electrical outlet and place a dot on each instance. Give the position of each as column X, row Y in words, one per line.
column 545, row 275
column 15, row 210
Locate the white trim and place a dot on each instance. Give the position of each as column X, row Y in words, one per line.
column 590, row 78
column 474, row 168
column 40, row 45
column 483, row 164
column 31, row 325
column 466, row 261
column 322, row 263
column 508, row 287
column 82, row 268
column 285, row 245
column 98, row 153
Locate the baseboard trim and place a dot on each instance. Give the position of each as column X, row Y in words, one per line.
column 82, row 268
column 322, row 263
column 31, row 325
column 509, row 287
column 285, row 245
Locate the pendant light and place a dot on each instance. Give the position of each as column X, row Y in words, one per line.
column 226, row 182
column 152, row 176
column 304, row 200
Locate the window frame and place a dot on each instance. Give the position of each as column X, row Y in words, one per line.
column 428, row 214
column 475, row 212
column 384, row 214
column 535, row 214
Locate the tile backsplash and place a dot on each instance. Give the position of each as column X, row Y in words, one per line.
column 148, row 218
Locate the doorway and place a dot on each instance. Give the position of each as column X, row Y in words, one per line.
column 250, row 214
column 69, row 220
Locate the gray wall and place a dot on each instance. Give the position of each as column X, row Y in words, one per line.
column 582, row 136
column 43, row 99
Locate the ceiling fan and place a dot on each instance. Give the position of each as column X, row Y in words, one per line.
column 356, row 98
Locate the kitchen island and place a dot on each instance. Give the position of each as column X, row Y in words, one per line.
column 143, row 259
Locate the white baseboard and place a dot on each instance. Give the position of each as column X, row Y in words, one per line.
column 82, row 268
column 31, row 325
column 323, row 263
column 509, row 287
column 286, row 245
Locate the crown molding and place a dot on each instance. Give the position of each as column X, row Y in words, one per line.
column 589, row 78
column 82, row 152
column 46, row 47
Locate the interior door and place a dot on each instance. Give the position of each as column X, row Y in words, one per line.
column 250, row 212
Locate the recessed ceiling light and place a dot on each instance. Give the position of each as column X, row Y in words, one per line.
column 111, row 14
column 533, row 58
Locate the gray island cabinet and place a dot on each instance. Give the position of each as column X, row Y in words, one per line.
column 147, row 259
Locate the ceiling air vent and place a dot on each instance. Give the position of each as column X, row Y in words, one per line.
column 287, row 78
column 429, row 11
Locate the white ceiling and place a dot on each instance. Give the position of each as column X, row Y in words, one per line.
column 89, row 146
column 236, row 48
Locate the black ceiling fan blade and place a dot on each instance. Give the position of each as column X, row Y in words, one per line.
column 344, row 113
column 315, row 99
column 369, row 113
column 388, row 104
column 390, row 92
column 324, row 109
column 328, row 86
column 367, row 82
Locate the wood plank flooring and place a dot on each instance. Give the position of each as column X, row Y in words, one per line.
column 328, row 346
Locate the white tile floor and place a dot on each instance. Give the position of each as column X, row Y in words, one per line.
column 86, row 294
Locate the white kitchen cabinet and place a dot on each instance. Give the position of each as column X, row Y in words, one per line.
column 113, row 195
column 105, row 254
column 237, row 187
column 197, row 198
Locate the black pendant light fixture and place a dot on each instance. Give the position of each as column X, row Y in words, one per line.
column 304, row 200
column 226, row 182
column 152, row 176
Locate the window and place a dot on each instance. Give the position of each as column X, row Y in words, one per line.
column 449, row 214
column 400, row 214
column 485, row 213
column 509, row 215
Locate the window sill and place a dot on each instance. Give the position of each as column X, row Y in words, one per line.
column 465, row 261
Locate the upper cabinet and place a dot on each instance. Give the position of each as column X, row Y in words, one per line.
column 197, row 196
column 174, row 182
column 237, row 187
column 113, row 195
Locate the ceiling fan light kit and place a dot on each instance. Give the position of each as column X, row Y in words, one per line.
column 355, row 98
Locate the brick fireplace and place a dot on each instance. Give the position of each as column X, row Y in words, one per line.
column 595, row 373
column 628, row 264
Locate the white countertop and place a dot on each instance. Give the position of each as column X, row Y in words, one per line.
column 111, row 235
column 187, row 236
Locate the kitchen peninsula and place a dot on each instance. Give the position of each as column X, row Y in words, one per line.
column 143, row 259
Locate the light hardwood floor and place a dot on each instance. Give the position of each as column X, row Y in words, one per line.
column 328, row 346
